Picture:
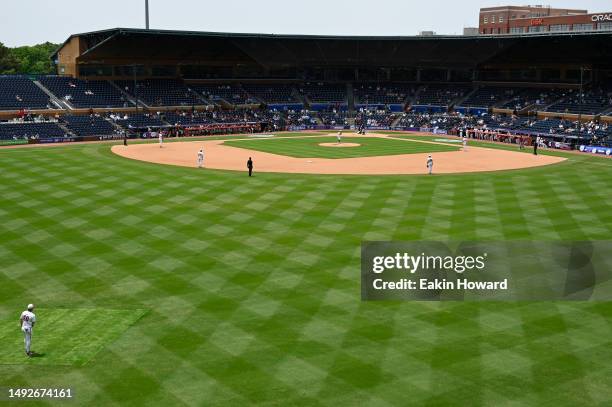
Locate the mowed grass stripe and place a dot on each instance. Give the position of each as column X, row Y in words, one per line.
column 308, row 147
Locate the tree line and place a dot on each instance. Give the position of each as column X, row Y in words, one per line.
column 34, row 59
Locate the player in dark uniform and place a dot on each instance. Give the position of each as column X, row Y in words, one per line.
column 250, row 167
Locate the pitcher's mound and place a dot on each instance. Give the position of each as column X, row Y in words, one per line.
column 339, row 144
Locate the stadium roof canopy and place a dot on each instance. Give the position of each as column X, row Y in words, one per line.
column 132, row 46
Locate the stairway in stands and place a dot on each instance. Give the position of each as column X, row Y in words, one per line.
column 59, row 103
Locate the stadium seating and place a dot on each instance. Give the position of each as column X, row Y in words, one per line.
column 488, row 96
column 440, row 95
column 376, row 118
column 234, row 116
column 84, row 94
column 219, row 116
column 187, row 118
column 88, row 125
column 272, row 93
column 138, row 121
column 324, row 93
column 538, row 97
column 19, row 92
column 12, row 131
column 230, row 93
column 328, row 106
column 590, row 102
column 333, row 118
column 162, row 92
column 549, row 126
column 505, row 122
column 301, row 118
column 439, row 121
column 386, row 93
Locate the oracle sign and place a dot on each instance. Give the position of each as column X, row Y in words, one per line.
column 601, row 17
column 537, row 21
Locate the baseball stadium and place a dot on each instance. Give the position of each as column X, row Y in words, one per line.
column 190, row 215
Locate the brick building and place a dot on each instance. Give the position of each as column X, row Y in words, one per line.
column 535, row 19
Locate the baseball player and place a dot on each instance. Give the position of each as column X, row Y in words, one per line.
column 339, row 137
column 464, row 143
column 250, row 166
column 161, row 139
column 26, row 323
column 429, row 164
column 200, row 158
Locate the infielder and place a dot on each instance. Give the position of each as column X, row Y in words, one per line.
column 464, row 143
column 26, row 323
column 161, row 139
column 339, row 137
column 200, row 158
column 429, row 164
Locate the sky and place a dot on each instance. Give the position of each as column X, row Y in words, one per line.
column 46, row 20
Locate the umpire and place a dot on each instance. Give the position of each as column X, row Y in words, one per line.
column 250, row 166
column 535, row 146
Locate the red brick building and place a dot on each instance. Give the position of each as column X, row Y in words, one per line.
column 535, row 19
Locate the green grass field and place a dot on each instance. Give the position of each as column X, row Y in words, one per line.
column 251, row 286
column 72, row 336
column 308, row 147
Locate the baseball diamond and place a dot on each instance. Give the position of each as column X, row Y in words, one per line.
column 392, row 161
column 201, row 218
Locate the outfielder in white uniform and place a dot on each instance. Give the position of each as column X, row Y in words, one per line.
column 200, row 158
column 339, row 137
column 26, row 323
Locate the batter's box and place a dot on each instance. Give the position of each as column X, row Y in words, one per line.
column 65, row 336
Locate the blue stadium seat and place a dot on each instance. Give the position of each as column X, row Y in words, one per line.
column 19, row 92
column 11, row 131
column 84, row 94
column 88, row 125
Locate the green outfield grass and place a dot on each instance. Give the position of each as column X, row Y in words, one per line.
column 308, row 147
column 253, row 292
column 66, row 336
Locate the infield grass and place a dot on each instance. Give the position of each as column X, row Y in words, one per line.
column 308, row 147
column 253, row 284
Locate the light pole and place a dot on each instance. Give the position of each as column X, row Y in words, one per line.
column 147, row 13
